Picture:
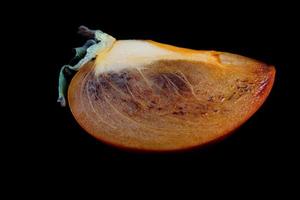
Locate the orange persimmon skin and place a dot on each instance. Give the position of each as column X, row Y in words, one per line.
column 170, row 105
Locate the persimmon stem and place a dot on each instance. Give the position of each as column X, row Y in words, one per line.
column 86, row 32
column 99, row 42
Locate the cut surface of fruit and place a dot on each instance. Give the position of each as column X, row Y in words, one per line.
column 145, row 95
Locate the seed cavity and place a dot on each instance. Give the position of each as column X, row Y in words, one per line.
column 135, row 92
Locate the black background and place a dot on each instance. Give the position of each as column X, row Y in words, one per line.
column 265, row 145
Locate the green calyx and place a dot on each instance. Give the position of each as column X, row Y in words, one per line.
column 99, row 42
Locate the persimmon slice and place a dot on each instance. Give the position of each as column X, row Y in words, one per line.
column 145, row 95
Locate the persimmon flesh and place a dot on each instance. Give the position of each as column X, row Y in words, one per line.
column 144, row 95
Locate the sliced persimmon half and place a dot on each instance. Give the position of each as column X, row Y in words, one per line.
column 144, row 95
